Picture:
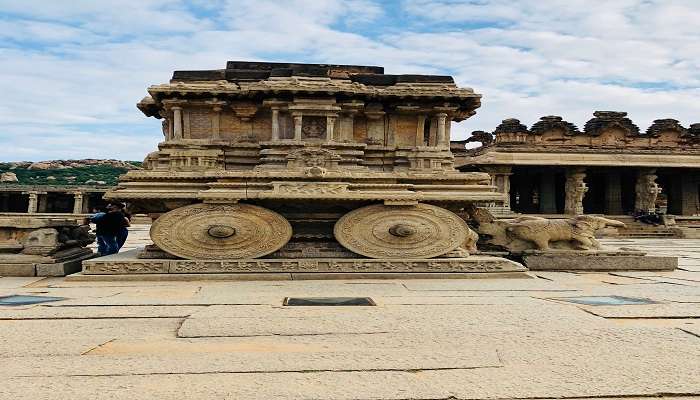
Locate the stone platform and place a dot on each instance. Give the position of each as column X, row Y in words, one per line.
column 601, row 260
column 127, row 263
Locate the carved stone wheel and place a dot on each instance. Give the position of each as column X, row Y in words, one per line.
column 420, row 231
column 220, row 231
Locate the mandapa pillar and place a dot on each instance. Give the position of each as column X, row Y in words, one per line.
column 78, row 202
column 646, row 191
column 575, row 191
column 275, row 124
column 420, row 130
column 33, row 205
column 177, row 123
column 330, row 128
column 500, row 178
column 297, row 128
column 441, row 136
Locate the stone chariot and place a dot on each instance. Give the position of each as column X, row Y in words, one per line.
column 305, row 168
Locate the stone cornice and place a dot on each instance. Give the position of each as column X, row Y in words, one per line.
column 582, row 158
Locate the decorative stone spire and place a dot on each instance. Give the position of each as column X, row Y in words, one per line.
column 604, row 120
column 554, row 122
column 663, row 125
column 510, row 125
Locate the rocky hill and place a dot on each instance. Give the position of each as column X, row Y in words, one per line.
column 65, row 172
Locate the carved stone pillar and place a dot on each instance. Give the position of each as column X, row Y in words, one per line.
column 646, row 191
column 297, row 128
column 330, row 127
column 78, row 203
column 575, row 191
column 500, row 177
column 548, row 202
column 275, row 124
column 33, row 205
column 613, row 193
column 420, row 130
column 177, row 123
column 441, row 119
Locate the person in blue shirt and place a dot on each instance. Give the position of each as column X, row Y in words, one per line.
column 107, row 227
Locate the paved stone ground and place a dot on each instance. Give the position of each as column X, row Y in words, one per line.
column 425, row 339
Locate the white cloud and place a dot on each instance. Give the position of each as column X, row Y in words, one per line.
column 72, row 72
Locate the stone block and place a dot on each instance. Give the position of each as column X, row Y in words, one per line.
column 581, row 261
column 207, row 75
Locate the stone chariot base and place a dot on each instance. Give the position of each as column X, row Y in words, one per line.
column 601, row 260
column 127, row 263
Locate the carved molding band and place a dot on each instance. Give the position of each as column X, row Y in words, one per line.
column 445, row 265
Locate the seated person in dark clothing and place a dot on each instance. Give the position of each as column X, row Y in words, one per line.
column 108, row 225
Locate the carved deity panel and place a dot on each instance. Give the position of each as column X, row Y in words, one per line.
column 313, row 127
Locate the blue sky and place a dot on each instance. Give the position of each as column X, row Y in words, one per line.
column 71, row 72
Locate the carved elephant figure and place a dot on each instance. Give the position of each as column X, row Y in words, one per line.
column 578, row 230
